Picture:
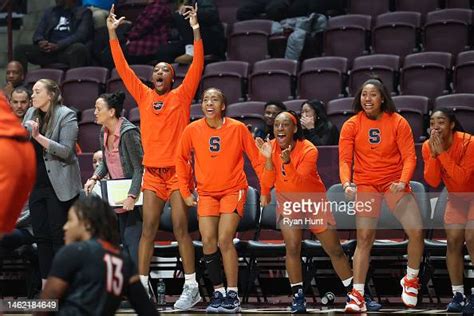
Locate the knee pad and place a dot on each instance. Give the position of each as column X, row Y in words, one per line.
column 214, row 267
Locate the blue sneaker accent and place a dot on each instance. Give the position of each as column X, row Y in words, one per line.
column 299, row 303
column 372, row 305
column 457, row 303
column 469, row 307
column 231, row 303
column 216, row 302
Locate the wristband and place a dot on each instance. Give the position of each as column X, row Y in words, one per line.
column 194, row 27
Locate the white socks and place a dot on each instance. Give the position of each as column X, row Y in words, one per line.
column 458, row 288
column 359, row 287
column 412, row 273
column 190, row 279
column 222, row 290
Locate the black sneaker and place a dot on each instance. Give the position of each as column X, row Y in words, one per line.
column 469, row 307
column 457, row 303
column 299, row 303
column 231, row 303
column 216, row 302
column 372, row 306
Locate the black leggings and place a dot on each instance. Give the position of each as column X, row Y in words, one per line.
column 48, row 216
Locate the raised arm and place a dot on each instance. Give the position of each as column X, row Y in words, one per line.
column 306, row 169
column 133, row 84
column 267, row 180
column 193, row 76
column 462, row 170
column 432, row 169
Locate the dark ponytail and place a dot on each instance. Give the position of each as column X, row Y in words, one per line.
column 114, row 101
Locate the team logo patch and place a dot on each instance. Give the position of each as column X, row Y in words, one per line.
column 374, row 136
column 158, row 105
column 215, row 144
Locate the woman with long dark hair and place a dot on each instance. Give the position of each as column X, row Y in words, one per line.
column 316, row 126
column 449, row 157
column 376, row 161
column 54, row 132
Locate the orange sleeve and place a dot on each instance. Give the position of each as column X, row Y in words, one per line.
column 183, row 161
column 406, row 146
column 252, row 151
column 432, row 170
column 193, row 77
column 267, row 177
column 460, row 172
column 346, row 151
column 133, row 84
column 307, row 168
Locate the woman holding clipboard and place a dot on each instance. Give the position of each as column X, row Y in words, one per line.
column 121, row 144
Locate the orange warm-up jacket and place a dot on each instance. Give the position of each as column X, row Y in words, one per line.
column 299, row 175
column 383, row 150
column 161, row 129
column 218, row 157
column 454, row 166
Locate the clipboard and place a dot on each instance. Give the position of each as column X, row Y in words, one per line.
column 117, row 190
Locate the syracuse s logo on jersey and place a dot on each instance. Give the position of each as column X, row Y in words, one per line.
column 214, row 144
column 374, row 136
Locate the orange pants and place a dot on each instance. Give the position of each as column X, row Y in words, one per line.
column 17, row 177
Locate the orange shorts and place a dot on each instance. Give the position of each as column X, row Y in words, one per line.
column 374, row 194
column 162, row 181
column 459, row 210
column 328, row 219
column 214, row 205
column 17, row 177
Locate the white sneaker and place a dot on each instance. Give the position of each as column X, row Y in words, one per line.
column 410, row 291
column 188, row 298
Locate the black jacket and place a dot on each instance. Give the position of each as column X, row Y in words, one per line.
column 82, row 26
column 323, row 134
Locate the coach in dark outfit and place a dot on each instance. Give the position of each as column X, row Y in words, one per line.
column 60, row 36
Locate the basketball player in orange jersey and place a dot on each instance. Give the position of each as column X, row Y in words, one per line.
column 290, row 165
column 17, row 167
column 449, row 157
column 380, row 143
column 164, row 113
column 218, row 144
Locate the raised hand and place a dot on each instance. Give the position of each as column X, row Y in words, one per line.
column 112, row 21
column 436, row 143
column 285, row 155
column 190, row 13
column 264, row 147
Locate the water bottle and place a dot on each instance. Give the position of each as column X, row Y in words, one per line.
column 328, row 298
column 161, row 292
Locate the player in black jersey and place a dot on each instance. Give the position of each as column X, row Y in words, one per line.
column 90, row 274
